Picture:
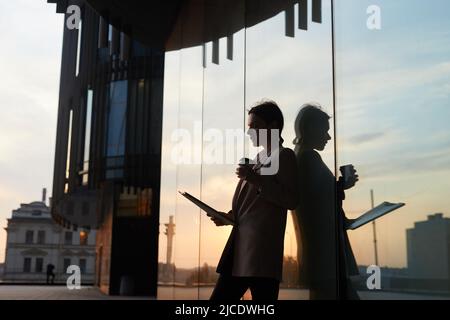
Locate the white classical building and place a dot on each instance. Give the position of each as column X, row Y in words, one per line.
column 34, row 241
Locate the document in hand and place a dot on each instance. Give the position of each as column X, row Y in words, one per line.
column 210, row 211
column 374, row 213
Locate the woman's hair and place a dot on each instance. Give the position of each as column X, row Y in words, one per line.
column 311, row 115
column 269, row 111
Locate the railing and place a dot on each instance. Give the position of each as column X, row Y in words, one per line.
column 18, row 275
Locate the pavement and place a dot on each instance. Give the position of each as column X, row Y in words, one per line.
column 37, row 292
column 42, row 292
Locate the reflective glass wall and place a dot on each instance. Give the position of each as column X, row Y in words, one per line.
column 393, row 85
column 223, row 120
column 293, row 66
column 179, row 239
column 208, row 90
column 391, row 114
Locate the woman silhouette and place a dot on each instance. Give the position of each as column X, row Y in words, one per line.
column 325, row 255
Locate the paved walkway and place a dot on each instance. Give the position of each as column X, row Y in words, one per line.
column 24, row 292
column 30, row 292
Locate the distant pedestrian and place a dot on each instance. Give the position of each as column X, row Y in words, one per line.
column 50, row 273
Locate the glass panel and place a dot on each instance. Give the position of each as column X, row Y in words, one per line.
column 110, row 32
column 79, row 34
column 141, row 110
column 137, row 115
column 87, row 136
column 179, row 249
column 392, row 116
column 187, row 145
column 293, row 67
column 69, row 149
column 223, row 145
column 139, row 50
column 117, row 118
column 153, row 146
column 166, row 266
column 117, row 115
column 197, row 101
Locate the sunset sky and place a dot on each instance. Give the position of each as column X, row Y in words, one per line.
column 30, row 59
column 392, row 90
column 392, row 116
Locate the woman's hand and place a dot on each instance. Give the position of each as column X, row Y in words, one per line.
column 243, row 171
column 348, row 222
column 218, row 222
column 350, row 180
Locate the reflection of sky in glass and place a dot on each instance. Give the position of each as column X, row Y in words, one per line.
column 393, row 90
column 223, row 109
column 87, row 135
column 183, row 107
column 392, row 98
column 299, row 72
column 292, row 72
column 117, row 118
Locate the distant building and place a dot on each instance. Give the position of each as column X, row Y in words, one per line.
column 429, row 252
column 34, row 240
column 429, row 248
column 108, row 144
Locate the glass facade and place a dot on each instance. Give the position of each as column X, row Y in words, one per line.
column 87, row 137
column 69, row 152
column 117, row 111
column 208, row 91
column 388, row 107
column 78, row 56
column 107, row 159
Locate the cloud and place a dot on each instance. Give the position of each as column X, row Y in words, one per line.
column 366, row 137
column 31, row 34
column 407, row 164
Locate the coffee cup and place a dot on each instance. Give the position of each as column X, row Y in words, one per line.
column 245, row 162
column 347, row 171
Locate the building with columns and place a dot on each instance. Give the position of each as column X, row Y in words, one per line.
column 34, row 241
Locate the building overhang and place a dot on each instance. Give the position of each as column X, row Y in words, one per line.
column 154, row 23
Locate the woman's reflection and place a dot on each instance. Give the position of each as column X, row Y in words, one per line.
column 317, row 222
